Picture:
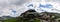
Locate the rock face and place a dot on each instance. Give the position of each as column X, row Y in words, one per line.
column 30, row 15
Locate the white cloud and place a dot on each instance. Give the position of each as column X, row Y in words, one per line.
column 6, row 7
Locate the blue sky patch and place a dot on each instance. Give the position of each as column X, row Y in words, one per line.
column 45, row 6
column 30, row 5
column 14, row 11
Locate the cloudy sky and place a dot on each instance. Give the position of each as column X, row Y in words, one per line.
column 16, row 7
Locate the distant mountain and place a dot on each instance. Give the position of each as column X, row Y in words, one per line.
column 6, row 17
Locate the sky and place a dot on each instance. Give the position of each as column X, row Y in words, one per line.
column 14, row 8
